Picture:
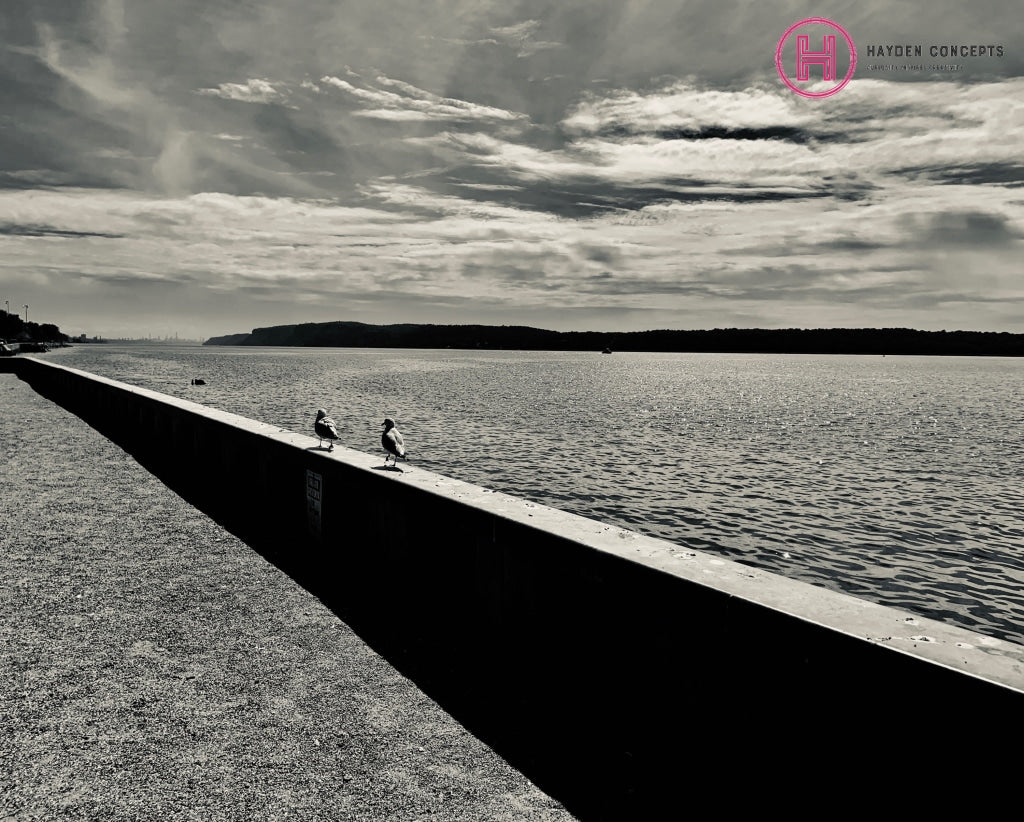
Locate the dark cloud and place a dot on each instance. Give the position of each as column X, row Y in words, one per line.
column 1008, row 174
column 12, row 229
column 792, row 246
column 959, row 228
column 800, row 136
column 48, row 126
column 299, row 137
column 21, row 19
column 581, row 199
column 505, row 272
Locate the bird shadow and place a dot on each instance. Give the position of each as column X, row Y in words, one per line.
column 388, row 468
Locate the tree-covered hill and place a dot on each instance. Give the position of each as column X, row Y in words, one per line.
column 724, row 340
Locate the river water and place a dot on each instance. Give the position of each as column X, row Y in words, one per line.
column 896, row 479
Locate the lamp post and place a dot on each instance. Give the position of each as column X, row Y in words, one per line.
column 26, row 312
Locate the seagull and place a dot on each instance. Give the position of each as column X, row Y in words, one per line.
column 325, row 428
column 392, row 441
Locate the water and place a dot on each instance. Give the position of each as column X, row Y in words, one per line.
column 896, row 479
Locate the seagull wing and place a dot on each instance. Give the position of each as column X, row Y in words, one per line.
column 394, row 443
column 326, row 428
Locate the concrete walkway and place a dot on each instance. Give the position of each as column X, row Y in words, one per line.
column 154, row 667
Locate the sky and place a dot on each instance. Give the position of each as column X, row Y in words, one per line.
column 200, row 168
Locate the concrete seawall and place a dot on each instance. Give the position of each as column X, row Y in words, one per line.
column 619, row 672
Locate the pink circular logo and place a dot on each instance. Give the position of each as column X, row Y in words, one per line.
column 815, row 58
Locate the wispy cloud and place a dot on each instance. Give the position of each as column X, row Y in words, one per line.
column 408, row 103
column 251, row 91
column 520, row 38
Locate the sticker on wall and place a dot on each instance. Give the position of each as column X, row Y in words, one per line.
column 314, row 498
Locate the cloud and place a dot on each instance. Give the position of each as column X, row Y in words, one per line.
column 683, row 107
column 960, row 228
column 518, row 37
column 251, row 91
column 680, row 142
column 409, row 103
column 36, row 230
column 408, row 244
column 103, row 124
column 521, row 37
column 517, row 32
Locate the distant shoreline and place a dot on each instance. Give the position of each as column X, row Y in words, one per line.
column 725, row 341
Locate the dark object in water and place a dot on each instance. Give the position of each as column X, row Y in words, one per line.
column 607, row 351
column 198, row 382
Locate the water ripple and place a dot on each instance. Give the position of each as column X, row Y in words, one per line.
column 895, row 479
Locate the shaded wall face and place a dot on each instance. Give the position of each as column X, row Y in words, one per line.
column 605, row 680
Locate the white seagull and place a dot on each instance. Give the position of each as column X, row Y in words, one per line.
column 325, row 428
column 392, row 441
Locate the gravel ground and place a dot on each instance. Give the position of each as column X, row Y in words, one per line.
column 154, row 667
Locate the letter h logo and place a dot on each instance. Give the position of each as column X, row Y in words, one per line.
column 805, row 58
